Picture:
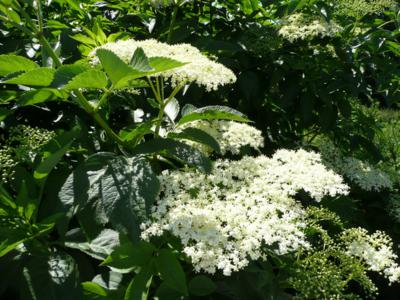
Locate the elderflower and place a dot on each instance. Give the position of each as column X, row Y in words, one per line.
column 361, row 8
column 228, row 217
column 375, row 250
column 199, row 68
column 230, row 135
column 299, row 26
column 359, row 172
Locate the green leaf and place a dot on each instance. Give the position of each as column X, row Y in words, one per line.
column 35, row 77
column 162, row 64
column 65, row 73
column 5, row 198
column 51, row 159
column 52, row 277
column 138, row 289
column 92, row 288
column 201, row 286
column 136, row 133
column 28, row 203
column 213, row 113
column 92, row 79
column 122, row 189
column 139, row 61
column 177, row 150
column 130, row 255
column 98, row 248
column 197, row 135
column 115, row 68
column 14, row 63
column 171, row 271
column 39, row 96
column 4, row 113
column 84, row 39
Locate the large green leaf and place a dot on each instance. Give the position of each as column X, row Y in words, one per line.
column 52, row 277
column 98, row 248
column 197, row 135
column 91, row 79
column 115, row 68
column 122, row 190
column 14, row 63
column 138, row 289
column 177, row 150
column 130, row 255
column 35, row 77
column 171, row 271
column 65, row 73
column 33, row 97
column 201, row 286
column 162, row 64
column 213, row 113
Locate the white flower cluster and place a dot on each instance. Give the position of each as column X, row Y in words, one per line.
column 199, row 68
column 299, row 26
column 361, row 8
column 375, row 250
column 230, row 135
column 359, row 172
column 228, row 217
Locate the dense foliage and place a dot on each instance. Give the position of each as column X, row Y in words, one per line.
column 185, row 149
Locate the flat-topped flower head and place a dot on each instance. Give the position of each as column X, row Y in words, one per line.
column 199, row 68
column 299, row 26
column 229, row 217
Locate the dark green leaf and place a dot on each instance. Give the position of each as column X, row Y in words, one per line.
column 130, row 255
column 123, row 189
column 138, row 289
column 201, row 286
column 53, row 277
column 171, row 271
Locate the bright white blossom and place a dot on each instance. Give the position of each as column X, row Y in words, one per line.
column 199, row 68
column 228, row 217
column 357, row 171
column 376, row 250
column 299, row 26
column 230, row 135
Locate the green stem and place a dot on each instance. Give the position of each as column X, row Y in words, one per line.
column 162, row 109
column 92, row 111
column 172, row 24
column 158, row 98
column 102, row 100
